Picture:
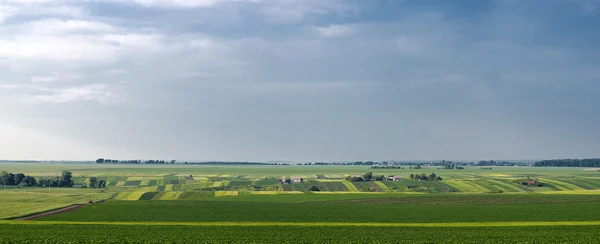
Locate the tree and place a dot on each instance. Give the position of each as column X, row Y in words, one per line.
column 313, row 188
column 438, row 178
column 4, row 178
column 432, row 176
column 380, row 178
column 100, row 160
column 65, row 179
column 28, row 181
column 368, row 176
column 102, row 184
column 18, row 178
column 93, row 182
column 412, row 176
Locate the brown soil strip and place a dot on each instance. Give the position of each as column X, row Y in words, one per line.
column 52, row 212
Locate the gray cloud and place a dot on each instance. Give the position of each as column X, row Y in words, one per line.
column 292, row 85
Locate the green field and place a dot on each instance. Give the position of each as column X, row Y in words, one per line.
column 19, row 202
column 241, row 204
column 413, row 209
column 295, row 234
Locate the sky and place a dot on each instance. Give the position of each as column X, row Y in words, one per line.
column 299, row 80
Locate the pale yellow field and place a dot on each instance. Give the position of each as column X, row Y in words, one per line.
column 226, row 193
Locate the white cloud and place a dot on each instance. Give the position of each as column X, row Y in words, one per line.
column 71, row 40
column 298, row 10
column 30, row 1
column 54, row 26
column 334, row 31
column 5, row 12
column 97, row 92
column 58, row 48
column 177, row 3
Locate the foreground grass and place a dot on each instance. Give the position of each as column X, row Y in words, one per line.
column 294, row 234
column 20, row 202
column 422, row 209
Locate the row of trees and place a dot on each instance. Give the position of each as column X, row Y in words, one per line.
column 10, row 179
column 93, row 182
column 423, row 176
column 453, row 166
column 588, row 162
column 64, row 180
column 114, row 161
column 366, row 177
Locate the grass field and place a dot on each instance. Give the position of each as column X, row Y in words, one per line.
column 19, row 202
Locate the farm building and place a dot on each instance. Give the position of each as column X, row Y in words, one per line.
column 296, row 179
column 530, row 182
column 283, row 178
column 395, row 178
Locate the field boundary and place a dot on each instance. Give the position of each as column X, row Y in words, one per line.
column 69, row 208
column 449, row 224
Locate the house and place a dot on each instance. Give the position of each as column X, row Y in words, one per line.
column 296, row 179
column 283, row 180
column 395, row 178
column 530, row 182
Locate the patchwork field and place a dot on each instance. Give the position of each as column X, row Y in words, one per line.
column 241, row 204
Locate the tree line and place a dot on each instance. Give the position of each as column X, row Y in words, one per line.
column 64, row 180
column 423, row 176
column 20, row 179
column 588, row 162
column 10, row 179
column 93, row 182
column 138, row 161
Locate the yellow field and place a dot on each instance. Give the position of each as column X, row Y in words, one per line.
column 382, row 186
column 561, row 185
column 170, row 195
column 134, row 196
column 134, row 178
column 122, row 195
column 351, row 187
column 275, row 192
column 328, row 180
column 226, row 193
column 463, row 186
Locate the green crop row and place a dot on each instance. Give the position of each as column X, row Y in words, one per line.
column 294, row 234
column 420, row 209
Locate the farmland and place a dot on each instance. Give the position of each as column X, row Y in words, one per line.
column 370, row 210
column 294, row 234
column 215, row 204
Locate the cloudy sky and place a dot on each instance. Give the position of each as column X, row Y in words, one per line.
column 299, row 79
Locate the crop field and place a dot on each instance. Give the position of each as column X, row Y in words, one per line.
column 409, row 209
column 295, row 234
column 241, row 204
column 19, row 202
